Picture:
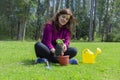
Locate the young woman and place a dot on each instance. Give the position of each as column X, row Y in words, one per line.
column 58, row 28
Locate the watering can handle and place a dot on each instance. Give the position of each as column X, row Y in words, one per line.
column 85, row 50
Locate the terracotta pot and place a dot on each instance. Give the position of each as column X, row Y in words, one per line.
column 63, row 60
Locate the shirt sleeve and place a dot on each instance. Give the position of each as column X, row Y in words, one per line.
column 67, row 39
column 47, row 36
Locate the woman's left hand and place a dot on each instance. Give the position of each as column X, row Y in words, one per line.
column 64, row 48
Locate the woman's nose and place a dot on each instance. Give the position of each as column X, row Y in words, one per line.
column 65, row 20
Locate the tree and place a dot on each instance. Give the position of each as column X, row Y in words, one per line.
column 91, row 22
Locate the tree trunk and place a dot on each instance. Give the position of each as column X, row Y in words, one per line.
column 91, row 23
column 38, row 31
column 59, row 5
column 54, row 7
column 19, row 35
column 67, row 3
column 12, row 29
column 24, row 31
column 94, row 21
column 105, row 25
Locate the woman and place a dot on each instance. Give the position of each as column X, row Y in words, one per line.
column 58, row 28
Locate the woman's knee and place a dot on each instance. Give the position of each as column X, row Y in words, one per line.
column 38, row 45
column 71, row 51
column 74, row 50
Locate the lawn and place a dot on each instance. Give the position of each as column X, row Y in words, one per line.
column 17, row 63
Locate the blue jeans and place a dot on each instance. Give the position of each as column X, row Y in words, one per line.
column 42, row 51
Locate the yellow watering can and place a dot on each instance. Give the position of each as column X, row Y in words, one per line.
column 88, row 56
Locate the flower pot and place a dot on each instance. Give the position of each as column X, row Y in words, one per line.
column 63, row 60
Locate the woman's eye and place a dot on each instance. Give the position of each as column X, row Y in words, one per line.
column 63, row 16
column 67, row 19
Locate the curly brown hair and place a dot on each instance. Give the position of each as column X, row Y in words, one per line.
column 55, row 21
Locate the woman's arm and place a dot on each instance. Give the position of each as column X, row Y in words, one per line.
column 67, row 39
column 47, row 36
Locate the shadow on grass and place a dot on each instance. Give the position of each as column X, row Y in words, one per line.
column 28, row 62
column 32, row 62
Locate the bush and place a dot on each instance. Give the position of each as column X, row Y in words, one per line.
column 117, row 38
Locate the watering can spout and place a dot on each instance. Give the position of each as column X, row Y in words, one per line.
column 98, row 51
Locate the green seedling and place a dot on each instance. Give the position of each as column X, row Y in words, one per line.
column 59, row 41
column 59, row 48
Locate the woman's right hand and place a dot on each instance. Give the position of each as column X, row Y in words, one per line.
column 52, row 50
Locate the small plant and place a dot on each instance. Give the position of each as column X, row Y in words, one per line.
column 59, row 41
column 59, row 48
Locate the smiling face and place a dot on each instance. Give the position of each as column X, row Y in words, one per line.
column 63, row 19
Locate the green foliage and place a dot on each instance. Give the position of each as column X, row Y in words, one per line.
column 34, row 14
column 117, row 37
column 109, row 37
column 59, row 41
column 82, row 28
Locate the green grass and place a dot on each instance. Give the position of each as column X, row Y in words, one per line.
column 17, row 63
